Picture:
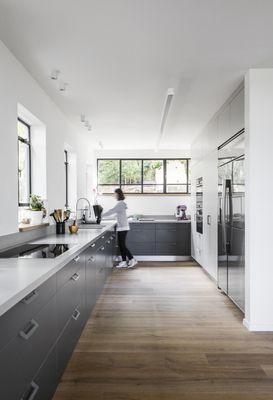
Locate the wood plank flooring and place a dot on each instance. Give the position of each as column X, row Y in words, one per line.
column 164, row 332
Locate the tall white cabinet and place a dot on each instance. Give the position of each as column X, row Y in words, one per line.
column 227, row 122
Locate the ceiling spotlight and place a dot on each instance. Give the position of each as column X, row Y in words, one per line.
column 63, row 86
column 55, row 74
column 82, row 118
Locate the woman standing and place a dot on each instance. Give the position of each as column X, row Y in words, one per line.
column 122, row 229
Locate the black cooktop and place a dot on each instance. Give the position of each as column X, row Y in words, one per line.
column 36, row 251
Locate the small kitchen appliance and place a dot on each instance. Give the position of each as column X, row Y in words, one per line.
column 181, row 212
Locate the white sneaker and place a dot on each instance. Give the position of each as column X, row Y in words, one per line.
column 132, row 263
column 122, row 264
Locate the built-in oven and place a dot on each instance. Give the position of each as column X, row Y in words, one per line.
column 199, row 205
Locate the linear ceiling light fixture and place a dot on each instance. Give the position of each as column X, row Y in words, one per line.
column 166, row 109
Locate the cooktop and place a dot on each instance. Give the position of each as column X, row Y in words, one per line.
column 36, row 251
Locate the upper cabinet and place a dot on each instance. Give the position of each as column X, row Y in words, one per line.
column 237, row 120
column 231, row 119
column 224, row 131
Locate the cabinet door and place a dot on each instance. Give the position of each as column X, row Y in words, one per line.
column 139, row 234
column 44, row 384
column 100, row 270
column 69, row 338
column 70, row 295
column 224, row 131
column 23, row 356
column 237, row 117
column 12, row 321
column 90, row 285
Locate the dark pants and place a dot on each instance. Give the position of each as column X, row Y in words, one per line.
column 122, row 245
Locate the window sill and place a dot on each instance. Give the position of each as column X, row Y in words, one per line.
column 29, row 227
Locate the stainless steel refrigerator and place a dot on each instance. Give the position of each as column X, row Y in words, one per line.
column 231, row 219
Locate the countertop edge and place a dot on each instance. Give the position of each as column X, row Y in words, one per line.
column 59, row 264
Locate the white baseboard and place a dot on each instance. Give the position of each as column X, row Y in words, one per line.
column 257, row 327
column 163, row 258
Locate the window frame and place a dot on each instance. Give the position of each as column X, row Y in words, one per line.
column 28, row 143
column 66, row 166
column 141, row 184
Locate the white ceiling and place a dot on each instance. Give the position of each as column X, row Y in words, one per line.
column 120, row 57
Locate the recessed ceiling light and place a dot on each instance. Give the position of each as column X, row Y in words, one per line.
column 63, row 86
column 55, row 74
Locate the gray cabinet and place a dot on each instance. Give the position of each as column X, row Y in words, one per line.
column 162, row 239
column 38, row 335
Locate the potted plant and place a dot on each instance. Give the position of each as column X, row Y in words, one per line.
column 36, row 209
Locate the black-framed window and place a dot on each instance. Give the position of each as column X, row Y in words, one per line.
column 144, row 176
column 66, row 166
column 24, row 162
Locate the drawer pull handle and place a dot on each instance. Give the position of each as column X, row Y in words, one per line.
column 93, row 244
column 30, row 297
column 76, row 259
column 32, row 392
column 76, row 314
column 31, row 328
column 75, row 277
column 91, row 259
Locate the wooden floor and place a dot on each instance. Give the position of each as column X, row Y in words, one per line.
column 164, row 332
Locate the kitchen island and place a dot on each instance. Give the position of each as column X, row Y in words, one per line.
column 44, row 305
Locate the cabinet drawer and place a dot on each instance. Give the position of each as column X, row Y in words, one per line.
column 69, row 296
column 44, row 384
column 64, row 275
column 167, row 235
column 142, row 226
column 14, row 319
column 165, row 249
column 142, row 249
column 23, row 356
column 69, row 338
column 140, row 235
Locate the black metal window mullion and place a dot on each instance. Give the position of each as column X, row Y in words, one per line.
column 66, row 164
column 28, row 143
column 142, row 185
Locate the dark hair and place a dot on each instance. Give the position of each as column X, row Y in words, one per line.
column 120, row 194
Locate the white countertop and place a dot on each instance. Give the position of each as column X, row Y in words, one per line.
column 19, row 276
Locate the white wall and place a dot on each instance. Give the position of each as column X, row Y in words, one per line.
column 145, row 204
column 17, row 86
column 259, row 219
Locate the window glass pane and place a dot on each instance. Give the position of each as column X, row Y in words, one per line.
column 153, row 189
column 176, row 188
column 108, row 172
column 153, row 172
column 176, row 171
column 23, row 172
column 107, row 189
column 131, row 188
column 23, row 130
column 130, row 172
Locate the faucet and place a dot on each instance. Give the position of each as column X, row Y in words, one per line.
column 89, row 206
